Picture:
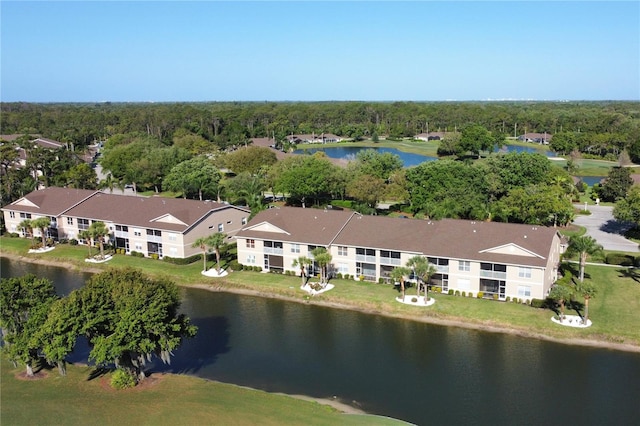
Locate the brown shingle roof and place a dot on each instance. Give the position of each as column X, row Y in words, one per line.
column 309, row 226
column 49, row 201
column 144, row 211
column 448, row 238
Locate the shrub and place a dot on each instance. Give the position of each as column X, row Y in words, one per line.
column 464, row 294
column 480, row 295
column 122, row 379
column 414, row 299
column 508, row 298
column 154, row 256
column 339, row 275
column 470, row 294
column 450, row 292
column 380, row 280
column 73, row 242
column 180, row 261
column 63, row 241
column 495, row 297
column 457, row 293
column 619, row 259
column 538, row 303
column 361, row 277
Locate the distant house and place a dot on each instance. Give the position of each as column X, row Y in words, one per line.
column 431, row 136
column 148, row 225
column 543, row 138
column 498, row 259
column 313, row 138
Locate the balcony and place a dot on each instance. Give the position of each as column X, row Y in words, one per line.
column 365, row 258
column 493, row 274
column 154, row 239
column 444, row 269
column 389, row 261
column 273, row 250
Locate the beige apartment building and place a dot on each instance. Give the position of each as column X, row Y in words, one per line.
column 148, row 225
column 502, row 259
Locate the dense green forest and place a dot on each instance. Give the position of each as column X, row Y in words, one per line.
column 597, row 127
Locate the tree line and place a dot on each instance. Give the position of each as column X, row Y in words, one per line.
column 599, row 127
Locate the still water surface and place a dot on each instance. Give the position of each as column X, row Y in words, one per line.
column 408, row 159
column 422, row 373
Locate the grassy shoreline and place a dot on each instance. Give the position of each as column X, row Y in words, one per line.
column 613, row 310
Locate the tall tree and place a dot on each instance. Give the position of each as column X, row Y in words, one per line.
column 587, row 290
column 398, row 274
column 301, row 262
column 196, row 176
column 475, row 138
column 616, row 185
column 322, row 258
column 304, row 176
column 128, row 317
column 201, row 242
column 216, row 242
column 628, row 209
column 97, row 231
column 561, row 293
column 584, row 246
column 24, row 305
column 42, row 223
column 423, row 270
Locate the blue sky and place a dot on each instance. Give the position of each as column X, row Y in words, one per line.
column 318, row 51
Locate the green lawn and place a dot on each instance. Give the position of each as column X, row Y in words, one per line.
column 163, row 399
column 613, row 311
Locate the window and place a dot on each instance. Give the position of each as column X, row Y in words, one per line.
column 137, row 233
column 342, row 268
column 251, row 243
column 464, row 265
column 342, row 251
column 390, row 254
column 25, row 215
column 173, row 251
column 138, row 247
column 154, row 232
column 524, row 272
column 69, row 221
column 295, row 248
column 220, row 227
column 83, row 224
column 122, row 228
column 438, row 261
column 12, row 215
column 172, row 237
column 244, row 220
column 524, row 291
column 251, row 259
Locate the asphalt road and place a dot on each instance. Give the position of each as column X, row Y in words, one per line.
column 605, row 229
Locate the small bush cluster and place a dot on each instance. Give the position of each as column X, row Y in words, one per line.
column 414, row 299
column 621, row 259
column 450, row 292
column 73, row 242
column 538, row 303
column 122, row 379
column 480, row 295
column 136, row 253
column 179, row 261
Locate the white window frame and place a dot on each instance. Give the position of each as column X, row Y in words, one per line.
column 343, row 251
column 524, row 272
column 524, row 291
column 251, row 259
column 464, row 265
column 295, row 248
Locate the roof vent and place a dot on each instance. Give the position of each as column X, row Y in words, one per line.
column 525, row 236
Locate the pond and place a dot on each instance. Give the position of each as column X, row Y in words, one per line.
column 421, row 373
column 408, row 159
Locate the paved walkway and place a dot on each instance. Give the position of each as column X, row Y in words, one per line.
column 605, row 229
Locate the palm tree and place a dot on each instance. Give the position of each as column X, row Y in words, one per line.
column 86, row 235
column 42, row 223
column 587, row 290
column 423, row 270
column 585, row 246
column 202, row 243
column 27, row 226
column 561, row 294
column 216, row 241
column 98, row 230
column 301, row 262
column 322, row 258
column 397, row 274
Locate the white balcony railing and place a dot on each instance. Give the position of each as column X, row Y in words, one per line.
column 272, row 250
column 493, row 274
column 366, row 259
column 389, row 261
